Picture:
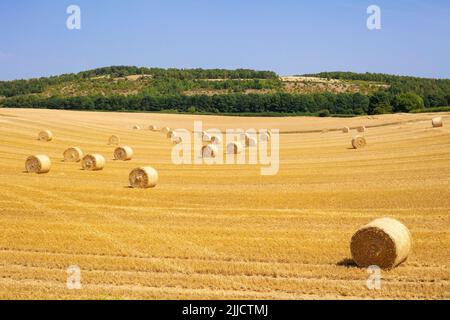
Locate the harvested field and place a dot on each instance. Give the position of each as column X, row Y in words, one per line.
column 221, row 231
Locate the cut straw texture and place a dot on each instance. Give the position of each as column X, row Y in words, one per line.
column 123, row 153
column 359, row 142
column 38, row 164
column 437, row 122
column 45, row 135
column 144, row 177
column 209, row 151
column 114, row 140
column 73, row 154
column 234, row 148
column 93, row 162
column 384, row 242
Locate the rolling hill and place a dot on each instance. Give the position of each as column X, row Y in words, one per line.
column 220, row 91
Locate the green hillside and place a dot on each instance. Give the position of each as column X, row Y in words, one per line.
column 241, row 91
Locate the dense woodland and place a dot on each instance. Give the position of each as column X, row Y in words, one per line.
column 164, row 90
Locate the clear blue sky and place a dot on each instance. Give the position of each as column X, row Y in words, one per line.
column 289, row 37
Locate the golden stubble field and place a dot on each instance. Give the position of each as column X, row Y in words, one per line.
column 220, row 232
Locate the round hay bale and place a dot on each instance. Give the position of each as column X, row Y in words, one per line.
column 361, row 129
column 123, row 153
column 216, row 140
column 177, row 140
column 437, row 122
column 38, row 164
column 73, row 154
column 144, row 177
column 345, row 130
column 209, row 151
column 165, row 130
column 359, row 142
column 153, row 128
column 251, row 142
column 45, row 135
column 234, row 148
column 171, row 134
column 136, row 127
column 384, row 242
column 114, row 140
column 93, row 162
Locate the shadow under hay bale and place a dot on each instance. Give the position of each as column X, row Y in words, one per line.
column 348, row 263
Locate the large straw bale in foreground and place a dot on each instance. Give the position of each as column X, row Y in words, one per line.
column 38, row 164
column 123, row 153
column 93, row 162
column 73, row 154
column 45, row 135
column 144, row 177
column 383, row 242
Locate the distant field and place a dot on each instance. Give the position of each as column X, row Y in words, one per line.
column 221, row 232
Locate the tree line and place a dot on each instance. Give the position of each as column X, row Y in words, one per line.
column 226, row 103
column 38, row 85
column 434, row 92
column 164, row 91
